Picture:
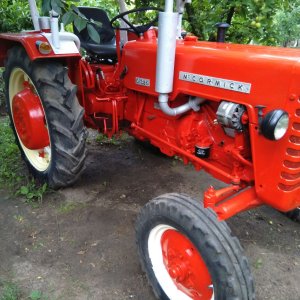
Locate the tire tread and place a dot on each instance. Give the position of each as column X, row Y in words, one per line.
column 215, row 236
column 63, row 113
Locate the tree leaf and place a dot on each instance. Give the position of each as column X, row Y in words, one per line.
column 68, row 17
column 46, row 6
column 94, row 35
column 79, row 23
column 75, row 8
column 56, row 6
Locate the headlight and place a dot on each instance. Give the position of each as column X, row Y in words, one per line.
column 275, row 124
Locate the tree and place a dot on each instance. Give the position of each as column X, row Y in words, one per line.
column 269, row 22
column 286, row 24
column 250, row 20
column 14, row 15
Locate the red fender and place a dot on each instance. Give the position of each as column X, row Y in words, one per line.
column 28, row 41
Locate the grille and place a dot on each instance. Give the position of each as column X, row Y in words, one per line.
column 290, row 175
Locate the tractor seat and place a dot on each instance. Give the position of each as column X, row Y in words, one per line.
column 107, row 47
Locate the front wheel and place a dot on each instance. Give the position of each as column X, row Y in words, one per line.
column 46, row 117
column 188, row 254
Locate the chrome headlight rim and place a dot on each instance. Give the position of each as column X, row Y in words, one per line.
column 274, row 121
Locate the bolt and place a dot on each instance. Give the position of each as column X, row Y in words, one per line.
column 293, row 97
column 174, row 272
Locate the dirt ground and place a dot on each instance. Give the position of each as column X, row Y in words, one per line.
column 79, row 243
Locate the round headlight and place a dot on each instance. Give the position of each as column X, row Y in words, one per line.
column 275, row 124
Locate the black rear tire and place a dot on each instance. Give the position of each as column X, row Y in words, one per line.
column 221, row 252
column 63, row 114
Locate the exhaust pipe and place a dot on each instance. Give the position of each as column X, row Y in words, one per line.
column 34, row 14
column 167, row 33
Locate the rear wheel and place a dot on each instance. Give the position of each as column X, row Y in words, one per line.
column 188, row 254
column 46, row 117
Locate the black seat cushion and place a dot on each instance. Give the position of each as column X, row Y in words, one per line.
column 107, row 47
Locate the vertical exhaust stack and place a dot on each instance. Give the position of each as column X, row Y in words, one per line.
column 34, row 14
column 123, row 33
column 167, row 31
column 167, row 36
column 54, row 28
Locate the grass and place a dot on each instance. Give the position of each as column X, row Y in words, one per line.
column 66, row 208
column 114, row 140
column 36, row 295
column 10, row 161
column 10, row 291
column 13, row 174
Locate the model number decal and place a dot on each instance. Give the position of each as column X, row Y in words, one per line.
column 142, row 81
column 237, row 86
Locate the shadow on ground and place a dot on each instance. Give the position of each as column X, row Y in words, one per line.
column 79, row 243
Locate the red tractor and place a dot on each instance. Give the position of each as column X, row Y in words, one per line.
column 232, row 110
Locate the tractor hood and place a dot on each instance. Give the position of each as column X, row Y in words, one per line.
column 247, row 74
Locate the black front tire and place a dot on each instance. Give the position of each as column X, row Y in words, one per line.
column 221, row 252
column 63, row 114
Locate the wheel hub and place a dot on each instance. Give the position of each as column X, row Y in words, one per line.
column 185, row 266
column 178, row 271
column 29, row 120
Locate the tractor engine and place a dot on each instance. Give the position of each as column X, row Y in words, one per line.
column 217, row 133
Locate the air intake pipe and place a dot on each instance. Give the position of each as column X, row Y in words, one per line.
column 167, row 26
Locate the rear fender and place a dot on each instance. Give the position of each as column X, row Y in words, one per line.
column 29, row 40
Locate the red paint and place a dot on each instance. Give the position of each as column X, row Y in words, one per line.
column 28, row 41
column 186, row 266
column 266, row 172
column 29, row 119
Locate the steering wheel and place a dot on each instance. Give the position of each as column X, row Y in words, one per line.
column 137, row 29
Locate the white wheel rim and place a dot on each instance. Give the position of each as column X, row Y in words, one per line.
column 40, row 159
column 161, row 273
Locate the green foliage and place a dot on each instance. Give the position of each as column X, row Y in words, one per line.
column 32, row 192
column 10, row 162
column 12, row 169
column 287, row 24
column 269, row 22
column 102, row 139
column 66, row 208
column 15, row 16
column 10, row 291
column 70, row 13
column 35, row 295
column 251, row 20
column 110, row 6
